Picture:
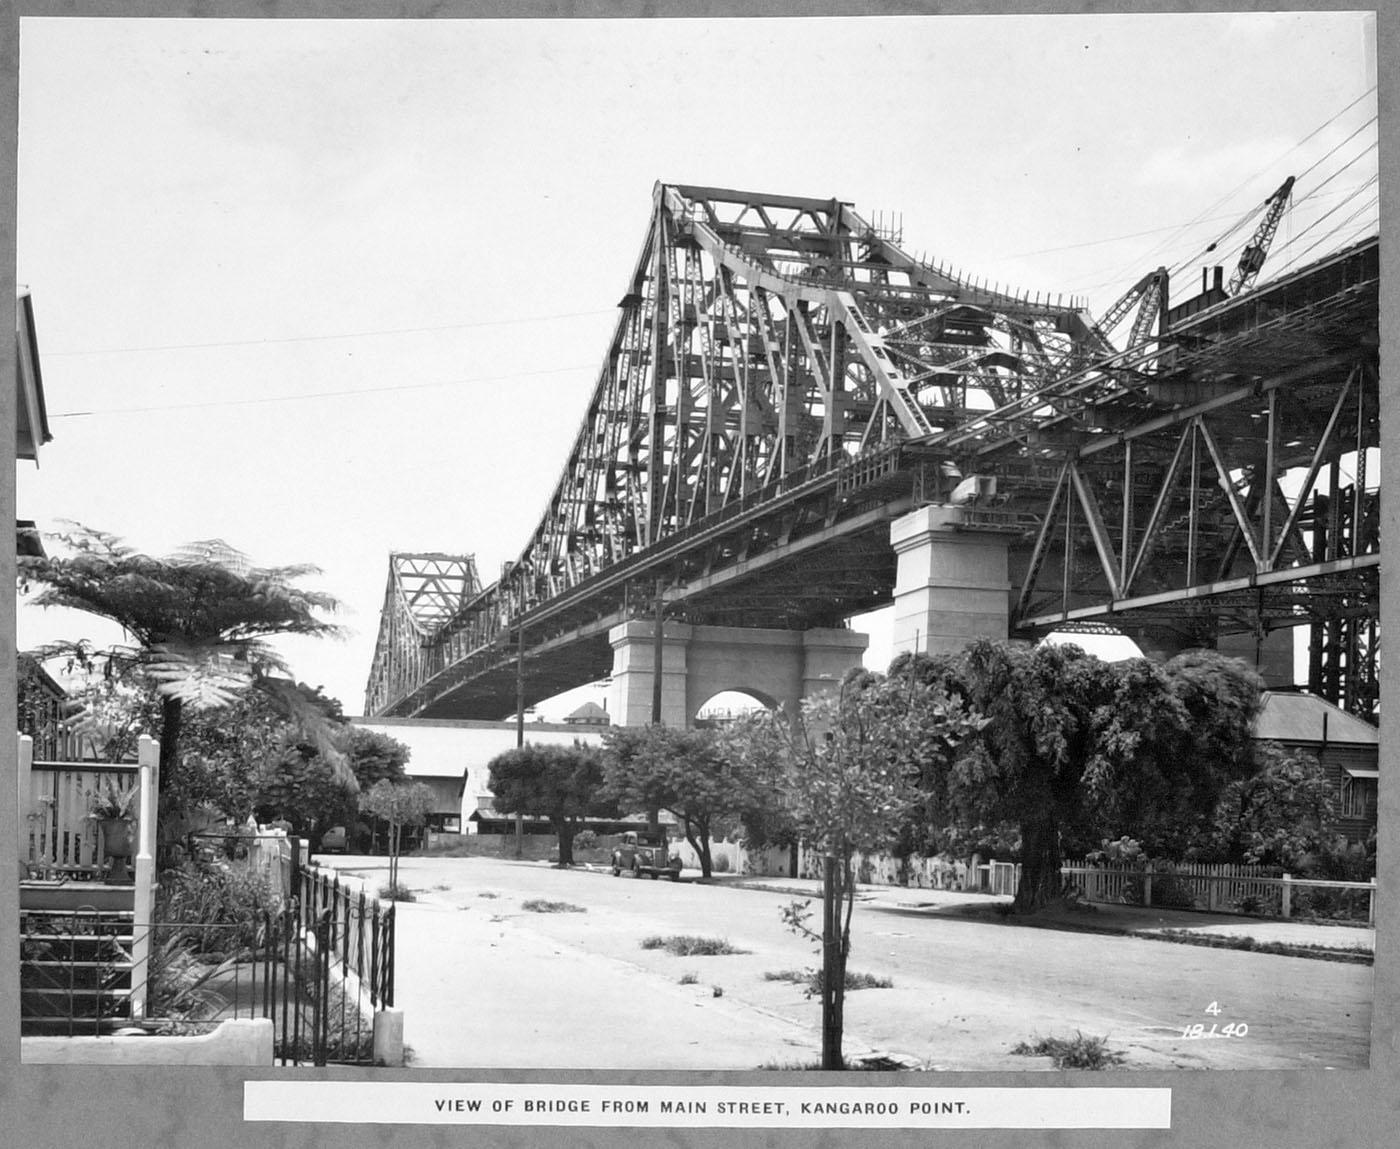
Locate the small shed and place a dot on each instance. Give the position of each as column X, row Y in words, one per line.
column 589, row 714
column 1347, row 747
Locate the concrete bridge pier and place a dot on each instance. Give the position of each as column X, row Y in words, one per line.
column 951, row 582
column 777, row 667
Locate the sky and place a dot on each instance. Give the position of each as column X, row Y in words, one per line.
column 330, row 289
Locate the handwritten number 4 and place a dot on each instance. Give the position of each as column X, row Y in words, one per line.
column 1213, row 1009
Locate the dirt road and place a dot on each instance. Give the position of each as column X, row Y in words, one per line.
column 484, row 982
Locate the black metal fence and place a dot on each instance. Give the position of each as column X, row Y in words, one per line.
column 359, row 932
column 318, row 969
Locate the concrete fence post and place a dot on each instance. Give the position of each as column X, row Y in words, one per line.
column 388, row 1038
column 1371, row 904
column 1147, row 885
column 143, row 896
column 1286, row 898
column 26, row 796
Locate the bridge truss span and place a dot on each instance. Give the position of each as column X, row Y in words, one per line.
column 784, row 380
column 774, row 364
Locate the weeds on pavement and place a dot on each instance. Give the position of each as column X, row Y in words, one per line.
column 545, row 906
column 811, row 979
column 687, row 945
column 1077, row 1052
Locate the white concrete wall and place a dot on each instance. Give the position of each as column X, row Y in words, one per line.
column 245, row 1041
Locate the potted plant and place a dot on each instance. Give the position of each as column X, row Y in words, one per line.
column 114, row 810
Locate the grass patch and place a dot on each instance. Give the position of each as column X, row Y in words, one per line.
column 545, row 906
column 688, row 945
column 690, row 978
column 1356, row 954
column 811, row 979
column 397, row 892
column 487, row 894
column 1077, row 1052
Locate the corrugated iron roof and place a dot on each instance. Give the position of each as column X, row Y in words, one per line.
column 1295, row 717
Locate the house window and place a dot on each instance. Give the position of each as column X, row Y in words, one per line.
column 1358, row 796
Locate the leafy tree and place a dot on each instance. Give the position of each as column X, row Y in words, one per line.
column 375, row 757
column 297, row 785
column 1280, row 815
column 689, row 772
column 852, row 768
column 1074, row 747
column 200, row 618
column 404, row 805
column 563, row 783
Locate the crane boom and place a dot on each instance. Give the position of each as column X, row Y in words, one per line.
column 1255, row 251
column 1148, row 294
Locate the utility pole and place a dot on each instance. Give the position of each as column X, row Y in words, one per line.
column 657, row 654
column 520, row 729
column 658, row 641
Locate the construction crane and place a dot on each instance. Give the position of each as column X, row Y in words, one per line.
column 1149, row 296
column 1252, row 257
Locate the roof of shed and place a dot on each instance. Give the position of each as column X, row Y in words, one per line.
column 1287, row 716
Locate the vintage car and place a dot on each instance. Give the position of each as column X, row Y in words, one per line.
column 646, row 853
column 334, row 840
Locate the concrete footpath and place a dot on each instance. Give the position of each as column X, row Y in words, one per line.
column 1138, row 921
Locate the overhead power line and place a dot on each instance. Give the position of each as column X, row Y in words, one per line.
column 328, row 338
column 313, row 394
column 1147, row 259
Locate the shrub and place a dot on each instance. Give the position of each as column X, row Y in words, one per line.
column 719, row 864
column 1077, row 1052
column 200, row 895
column 1172, row 893
column 811, row 979
column 396, row 892
column 544, row 906
column 686, row 945
column 585, row 840
column 690, row 978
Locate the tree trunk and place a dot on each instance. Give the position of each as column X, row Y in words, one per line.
column 565, row 830
column 699, row 840
column 172, row 713
column 836, row 877
column 1040, row 863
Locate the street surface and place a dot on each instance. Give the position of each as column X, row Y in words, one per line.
column 484, row 983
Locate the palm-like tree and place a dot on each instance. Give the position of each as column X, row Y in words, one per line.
column 200, row 619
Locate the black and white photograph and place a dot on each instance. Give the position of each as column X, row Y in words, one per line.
column 830, row 553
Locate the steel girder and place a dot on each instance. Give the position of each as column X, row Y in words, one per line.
column 1246, row 501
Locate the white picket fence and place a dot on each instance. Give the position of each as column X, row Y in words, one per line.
column 1213, row 888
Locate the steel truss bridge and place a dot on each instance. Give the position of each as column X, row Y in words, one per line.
column 783, row 380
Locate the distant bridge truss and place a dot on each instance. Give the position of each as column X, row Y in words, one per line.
column 784, row 380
